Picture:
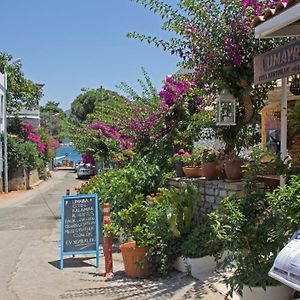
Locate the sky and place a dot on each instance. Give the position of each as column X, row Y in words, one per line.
column 73, row 44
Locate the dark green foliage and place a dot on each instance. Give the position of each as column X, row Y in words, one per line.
column 198, row 243
column 254, row 226
column 52, row 118
column 285, row 207
column 119, row 187
column 21, row 91
column 41, row 168
column 89, row 101
column 29, row 155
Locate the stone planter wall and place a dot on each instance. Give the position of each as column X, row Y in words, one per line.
column 212, row 192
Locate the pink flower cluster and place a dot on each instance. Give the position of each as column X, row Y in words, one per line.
column 88, row 159
column 32, row 135
column 172, row 90
column 180, row 154
column 113, row 133
column 232, row 51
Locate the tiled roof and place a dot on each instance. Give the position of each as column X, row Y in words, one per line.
column 271, row 12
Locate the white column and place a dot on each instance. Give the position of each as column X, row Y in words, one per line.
column 283, row 126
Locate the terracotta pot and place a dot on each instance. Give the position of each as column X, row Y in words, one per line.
column 192, row 172
column 135, row 261
column 233, row 169
column 178, row 168
column 211, row 170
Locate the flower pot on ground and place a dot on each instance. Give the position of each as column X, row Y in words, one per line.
column 201, row 268
column 279, row 292
column 233, row 169
column 193, row 172
column 135, row 260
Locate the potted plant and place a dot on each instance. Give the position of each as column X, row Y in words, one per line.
column 197, row 251
column 233, row 167
column 192, row 163
column 133, row 226
column 246, row 227
column 178, row 159
column 210, row 164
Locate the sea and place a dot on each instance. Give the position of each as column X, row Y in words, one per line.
column 67, row 152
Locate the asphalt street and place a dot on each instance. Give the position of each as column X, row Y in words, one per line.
column 28, row 216
column 30, row 253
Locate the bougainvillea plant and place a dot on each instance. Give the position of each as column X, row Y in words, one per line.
column 215, row 40
column 28, row 133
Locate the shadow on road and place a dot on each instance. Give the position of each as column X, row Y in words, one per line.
column 122, row 287
column 73, row 262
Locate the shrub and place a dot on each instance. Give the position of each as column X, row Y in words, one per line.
column 197, row 243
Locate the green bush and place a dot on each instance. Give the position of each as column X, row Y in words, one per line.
column 254, row 226
column 21, row 154
column 41, row 168
column 198, row 243
column 120, row 187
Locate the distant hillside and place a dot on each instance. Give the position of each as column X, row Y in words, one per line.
column 68, row 112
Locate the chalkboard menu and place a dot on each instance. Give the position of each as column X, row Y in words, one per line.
column 79, row 226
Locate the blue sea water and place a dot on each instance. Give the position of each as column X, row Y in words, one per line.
column 69, row 153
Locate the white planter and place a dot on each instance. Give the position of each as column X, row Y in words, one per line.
column 280, row 292
column 203, row 267
column 200, row 268
column 181, row 264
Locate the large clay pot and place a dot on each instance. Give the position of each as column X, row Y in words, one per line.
column 178, row 168
column 135, row 261
column 233, row 169
column 211, row 170
column 192, row 172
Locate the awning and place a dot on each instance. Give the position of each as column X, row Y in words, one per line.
column 282, row 21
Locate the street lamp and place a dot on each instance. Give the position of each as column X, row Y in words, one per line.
column 16, row 61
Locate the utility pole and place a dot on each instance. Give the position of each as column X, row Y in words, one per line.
column 17, row 61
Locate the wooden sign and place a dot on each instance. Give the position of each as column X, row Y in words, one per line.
column 278, row 63
column 79, row 226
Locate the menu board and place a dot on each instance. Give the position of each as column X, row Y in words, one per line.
column 79, row 225
column 286, row 267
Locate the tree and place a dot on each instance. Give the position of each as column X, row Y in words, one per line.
column 215, row 40
column 52, row 118
column 22, row 92
column 89, row 101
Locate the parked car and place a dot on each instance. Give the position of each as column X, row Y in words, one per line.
column 85, row 170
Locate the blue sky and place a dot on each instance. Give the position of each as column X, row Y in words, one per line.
column 70, row 44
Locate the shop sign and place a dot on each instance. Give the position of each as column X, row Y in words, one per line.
column 278, row 63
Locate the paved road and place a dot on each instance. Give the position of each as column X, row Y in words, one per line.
column 29, row 257
column 26, row 217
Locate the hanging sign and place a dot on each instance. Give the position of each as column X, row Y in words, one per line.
column 79, row 226
column 286, row 267
column 278, row 63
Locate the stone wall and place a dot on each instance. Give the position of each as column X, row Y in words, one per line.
column 17, row 181
column 212, row 192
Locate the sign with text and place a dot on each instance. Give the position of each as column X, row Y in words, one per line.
column 278, row 63
column 79, row 226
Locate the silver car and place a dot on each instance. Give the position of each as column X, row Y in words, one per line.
column 85, row 171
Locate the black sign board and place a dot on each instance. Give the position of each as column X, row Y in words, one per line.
column 79, row 226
